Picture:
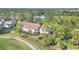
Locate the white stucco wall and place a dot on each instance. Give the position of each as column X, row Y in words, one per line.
column 27, row 30
column 6, row 26
column 41, row 31
column 24, row 29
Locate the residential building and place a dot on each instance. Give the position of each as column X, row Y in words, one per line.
column 39, row 17
column 6, row 26
column 33, row 27
column 1, row 22
column 9, row 24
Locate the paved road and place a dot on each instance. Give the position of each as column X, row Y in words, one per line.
column 21, row 40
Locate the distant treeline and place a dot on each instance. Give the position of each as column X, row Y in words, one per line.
column 44, row 11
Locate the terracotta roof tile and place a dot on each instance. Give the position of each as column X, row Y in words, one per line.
column 33, row 26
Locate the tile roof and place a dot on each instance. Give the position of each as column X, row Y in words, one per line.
column 8, row 22
column 33, row 26
column 43, row 27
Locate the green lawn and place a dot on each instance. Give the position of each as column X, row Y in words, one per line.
column 7, row 44
column 39, row 44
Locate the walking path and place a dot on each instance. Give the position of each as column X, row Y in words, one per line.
column 23, row 41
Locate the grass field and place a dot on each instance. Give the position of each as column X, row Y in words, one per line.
column 7, row 44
